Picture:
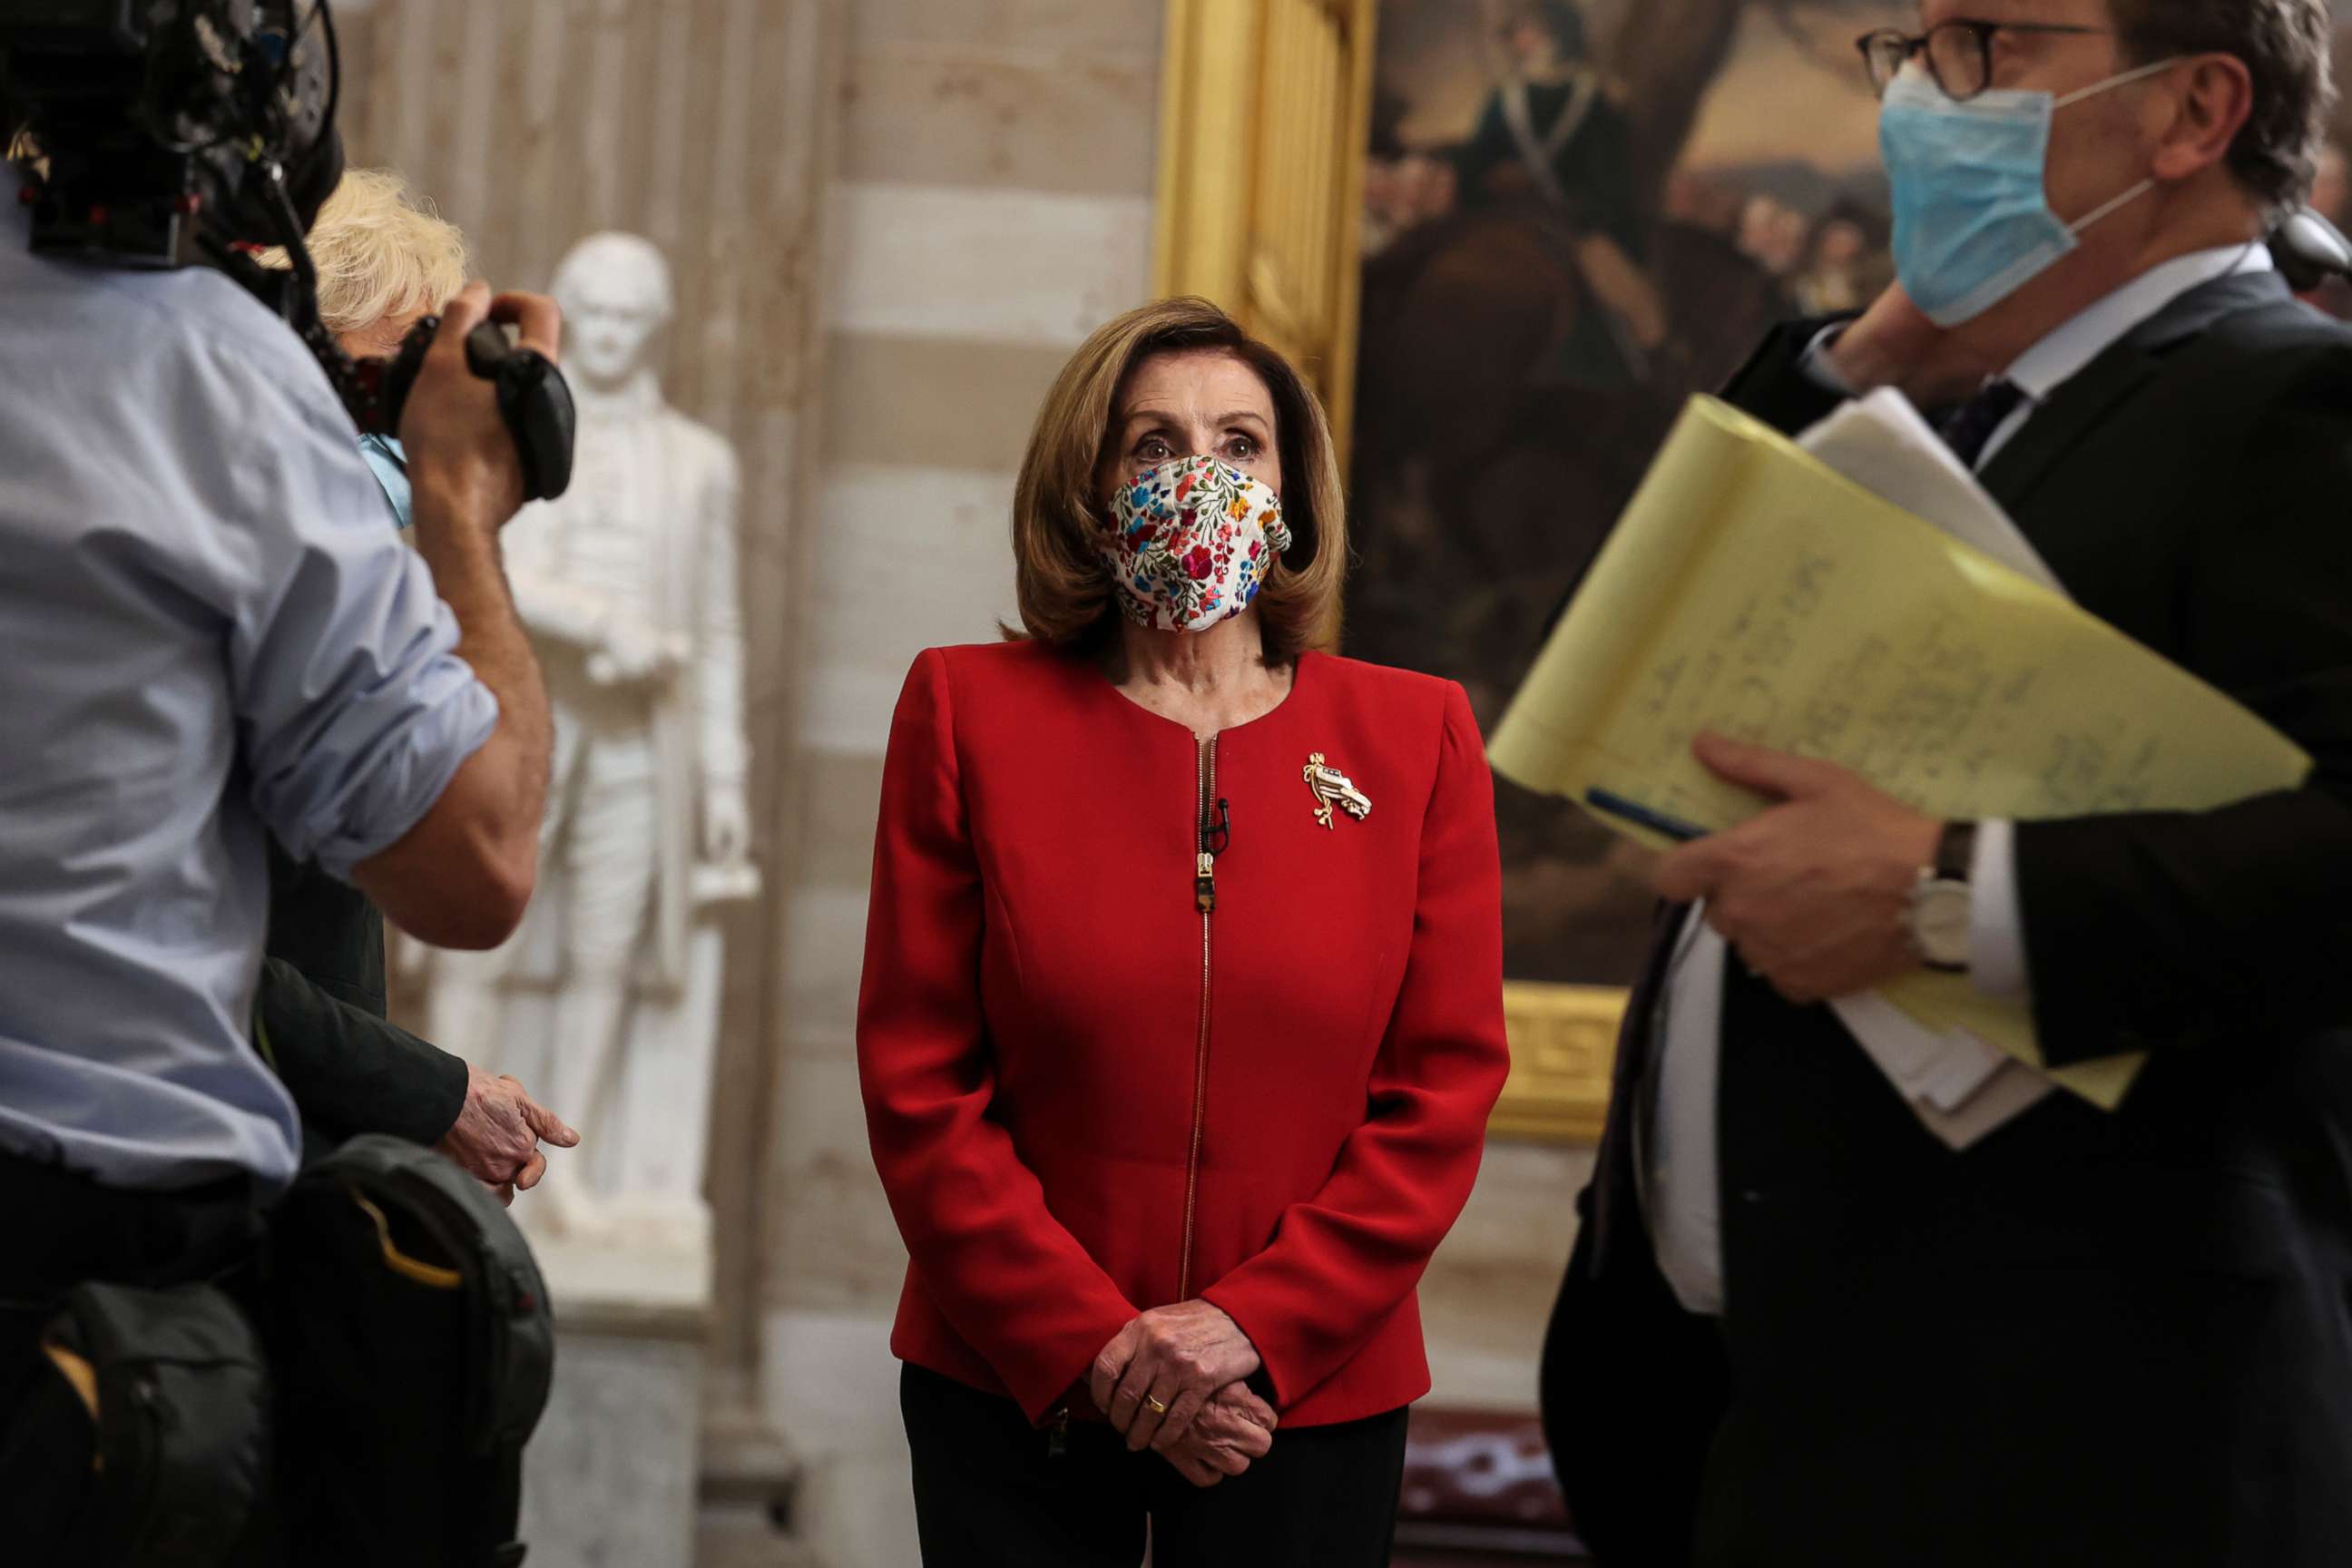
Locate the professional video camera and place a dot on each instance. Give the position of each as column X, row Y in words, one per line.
column 182, row 133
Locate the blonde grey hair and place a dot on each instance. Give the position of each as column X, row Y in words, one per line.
column 381, row 250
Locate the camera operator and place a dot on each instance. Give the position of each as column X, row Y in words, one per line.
column 214, row 637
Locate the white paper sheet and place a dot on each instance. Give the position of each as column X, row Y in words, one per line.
column 1883, row 444
column 1961, row 1089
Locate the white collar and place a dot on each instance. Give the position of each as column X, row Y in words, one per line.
column 2064, row 353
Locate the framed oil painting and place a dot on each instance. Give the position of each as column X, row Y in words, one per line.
column 1575, row 216
column 1508, row 238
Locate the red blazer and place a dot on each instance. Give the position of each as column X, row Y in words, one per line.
column 1087, row 1098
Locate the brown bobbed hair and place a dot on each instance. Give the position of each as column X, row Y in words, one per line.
column 1057, row 522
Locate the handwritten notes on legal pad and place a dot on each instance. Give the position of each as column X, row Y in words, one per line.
column 1751, row 590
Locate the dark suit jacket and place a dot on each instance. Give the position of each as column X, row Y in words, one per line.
column 321, row 1007
column 2092, row 1338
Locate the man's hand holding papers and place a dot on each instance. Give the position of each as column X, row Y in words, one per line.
column 1753, row 590
column 1812, row 891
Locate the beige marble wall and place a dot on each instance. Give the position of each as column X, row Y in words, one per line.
column 992, row 205
column 707, row 126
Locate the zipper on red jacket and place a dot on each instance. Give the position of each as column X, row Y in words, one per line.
column 1204, row 898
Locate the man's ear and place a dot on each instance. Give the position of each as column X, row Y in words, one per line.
column 2210, row 108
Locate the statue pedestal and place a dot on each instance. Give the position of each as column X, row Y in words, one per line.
column 610, row 1478
column 623, row 1238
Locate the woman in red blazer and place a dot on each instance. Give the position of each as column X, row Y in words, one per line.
column 1182, row 1014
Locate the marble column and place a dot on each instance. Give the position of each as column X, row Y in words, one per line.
column 707, row 126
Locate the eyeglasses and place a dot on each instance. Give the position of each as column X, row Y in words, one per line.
column 1958, row 53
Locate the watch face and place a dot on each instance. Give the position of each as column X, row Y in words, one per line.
column 1939, row 923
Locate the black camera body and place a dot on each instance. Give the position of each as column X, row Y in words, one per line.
column 170, row 133
column 534, row 398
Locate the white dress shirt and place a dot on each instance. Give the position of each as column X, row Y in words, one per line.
column 1677, row 1151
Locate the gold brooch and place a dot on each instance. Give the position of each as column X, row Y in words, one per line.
column 1333, row 788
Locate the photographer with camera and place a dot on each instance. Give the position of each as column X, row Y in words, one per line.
column 384, row 259
column 214, row 638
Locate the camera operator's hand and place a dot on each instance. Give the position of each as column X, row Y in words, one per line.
column 456, row 444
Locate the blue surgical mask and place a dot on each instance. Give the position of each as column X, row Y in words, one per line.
column 1972, row 218
column 389, row 466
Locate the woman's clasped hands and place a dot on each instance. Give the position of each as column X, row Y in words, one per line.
column 1172, row 1381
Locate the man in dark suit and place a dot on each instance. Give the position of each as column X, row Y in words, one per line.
column 1799, row 1330
column 319, row 1017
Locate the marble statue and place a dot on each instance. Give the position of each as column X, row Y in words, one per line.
column 606, row 1002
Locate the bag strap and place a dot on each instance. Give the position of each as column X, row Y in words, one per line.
column 502, row 1507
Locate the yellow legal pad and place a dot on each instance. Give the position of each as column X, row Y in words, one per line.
column 1753, row 590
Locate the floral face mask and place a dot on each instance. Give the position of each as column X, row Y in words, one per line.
column 1193, row 543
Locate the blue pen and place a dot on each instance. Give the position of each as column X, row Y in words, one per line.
column 1642, row 815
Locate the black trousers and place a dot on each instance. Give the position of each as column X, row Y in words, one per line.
column 57, row 1230
column 990, row 1492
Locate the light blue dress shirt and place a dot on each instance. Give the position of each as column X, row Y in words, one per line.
column 210, row 636
column 389, row 463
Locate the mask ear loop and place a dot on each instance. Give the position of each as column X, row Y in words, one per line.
column 2127, row 78
column 2138, row 73
column 2095, row 213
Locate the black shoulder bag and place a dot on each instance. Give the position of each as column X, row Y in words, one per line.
column 412, row 1349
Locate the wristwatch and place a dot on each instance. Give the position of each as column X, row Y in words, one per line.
column 1938, row 919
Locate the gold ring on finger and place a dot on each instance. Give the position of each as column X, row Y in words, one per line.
column 1154, row 1406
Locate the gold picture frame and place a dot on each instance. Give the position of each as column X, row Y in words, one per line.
column 1265, row 109
column 1264, row 119
column 1563, row 1050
